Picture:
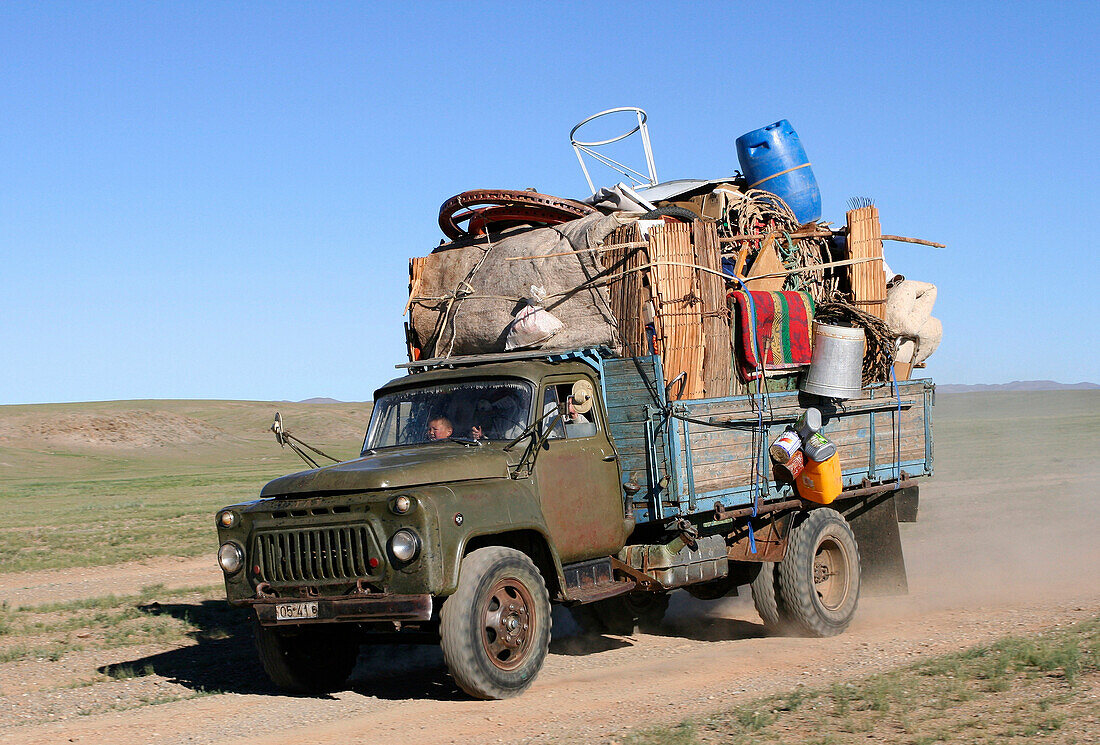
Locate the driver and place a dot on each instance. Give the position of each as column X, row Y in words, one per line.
column 440, row 428
column 573, row 416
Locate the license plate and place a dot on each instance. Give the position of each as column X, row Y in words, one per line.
column 295, row 611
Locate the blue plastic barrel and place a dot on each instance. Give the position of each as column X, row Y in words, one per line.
column 772, row 158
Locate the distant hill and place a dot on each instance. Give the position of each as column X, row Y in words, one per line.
column 200, row 431
column 320, row 401
column 1017, row 385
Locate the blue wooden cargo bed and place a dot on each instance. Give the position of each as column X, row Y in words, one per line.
column 690, row 456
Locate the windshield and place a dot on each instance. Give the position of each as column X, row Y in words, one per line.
column 474, row 410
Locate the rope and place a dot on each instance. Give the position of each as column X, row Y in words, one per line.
column 897, row 427
column 760, row 438
column 760, row 213
column 878, row 360
column 777, row 175
column 460, row 294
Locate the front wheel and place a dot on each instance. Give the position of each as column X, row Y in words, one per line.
column 819, row 575
column 306, row 659
column 495, row 628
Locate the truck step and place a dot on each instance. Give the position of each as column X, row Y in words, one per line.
column 588, row 581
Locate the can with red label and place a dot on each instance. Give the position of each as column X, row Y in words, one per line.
column 785, row 446
column 789, row 471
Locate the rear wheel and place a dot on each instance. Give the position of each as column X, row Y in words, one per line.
column 623, row 614
column 495, row 628
column 818, row 578
column 765, row 596
column 306, row 659
column 715, row 589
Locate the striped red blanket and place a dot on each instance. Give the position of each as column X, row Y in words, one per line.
column 783, row 321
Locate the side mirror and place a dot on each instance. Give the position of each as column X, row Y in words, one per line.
column 279, row 430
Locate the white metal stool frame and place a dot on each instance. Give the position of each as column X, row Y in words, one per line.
column 580, row 146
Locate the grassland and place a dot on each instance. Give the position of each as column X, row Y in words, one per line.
column 1014, row 690
column 104, row 483
column 85, row 485
column 154, row 616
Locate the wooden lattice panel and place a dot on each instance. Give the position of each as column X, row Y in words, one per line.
column 717, row 358
column 867, row 277
column 625, row 290
column 677, row 300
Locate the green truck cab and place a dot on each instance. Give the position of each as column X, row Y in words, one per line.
column 490, row 487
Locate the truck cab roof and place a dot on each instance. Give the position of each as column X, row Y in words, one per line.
column 530, row 365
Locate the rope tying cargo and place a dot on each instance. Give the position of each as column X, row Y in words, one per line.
column 878, row 360
column 776, row 175
column 761, row 213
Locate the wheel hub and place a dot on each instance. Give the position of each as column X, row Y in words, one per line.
column 830, row 573
column 508, row 617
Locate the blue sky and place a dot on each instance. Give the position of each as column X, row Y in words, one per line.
column 216, row 200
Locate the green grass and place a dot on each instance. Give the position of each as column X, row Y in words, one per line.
column 153, row 616
column 77, row 505
column 1017, row 688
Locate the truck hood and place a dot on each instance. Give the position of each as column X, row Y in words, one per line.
column 396, row 468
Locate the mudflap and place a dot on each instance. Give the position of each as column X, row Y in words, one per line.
column 874, row 520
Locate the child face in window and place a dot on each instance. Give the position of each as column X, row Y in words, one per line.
column 440, row 429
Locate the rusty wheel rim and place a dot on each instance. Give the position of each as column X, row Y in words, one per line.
column 508, row 623
column 831, row 575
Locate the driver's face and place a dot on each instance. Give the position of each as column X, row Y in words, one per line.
column 439, row 430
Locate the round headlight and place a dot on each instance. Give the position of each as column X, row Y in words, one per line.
column 404, row 545
column 230, row 557
column 227, row 519
column 402, row 504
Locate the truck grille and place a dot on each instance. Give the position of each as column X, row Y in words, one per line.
column 313, row 555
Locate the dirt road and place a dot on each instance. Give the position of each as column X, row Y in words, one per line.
column 1006, row 543
column 58, row 585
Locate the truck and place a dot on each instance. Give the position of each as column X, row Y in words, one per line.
column 492, row 486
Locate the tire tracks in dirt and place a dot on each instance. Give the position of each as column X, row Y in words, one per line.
column 703, row 660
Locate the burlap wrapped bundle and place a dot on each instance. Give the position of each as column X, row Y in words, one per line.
column 909, row 315
column 470, row 294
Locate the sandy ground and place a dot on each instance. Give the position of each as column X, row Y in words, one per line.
column 1006, row 543
column 59, row 585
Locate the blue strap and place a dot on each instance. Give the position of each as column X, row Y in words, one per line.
column 897, row 426
column 759, row 415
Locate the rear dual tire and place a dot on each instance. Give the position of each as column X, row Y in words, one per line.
column 814, row 590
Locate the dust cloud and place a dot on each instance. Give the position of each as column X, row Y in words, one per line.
column 1011, row 516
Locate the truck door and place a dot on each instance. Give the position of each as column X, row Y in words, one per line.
column 578, row 478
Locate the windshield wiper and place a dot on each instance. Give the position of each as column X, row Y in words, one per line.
column 467, row 441
column 527, row 460
column 531, row 428
column 525, row 433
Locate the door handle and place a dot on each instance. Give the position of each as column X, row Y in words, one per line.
column 610, row 458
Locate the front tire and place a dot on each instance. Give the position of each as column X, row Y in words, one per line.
column 306, row 660
column 495, row 628
column 819, row 575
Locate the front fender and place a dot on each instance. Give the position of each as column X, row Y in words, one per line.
column 485, row 509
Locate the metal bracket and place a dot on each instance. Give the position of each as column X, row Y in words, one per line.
column 645, row 582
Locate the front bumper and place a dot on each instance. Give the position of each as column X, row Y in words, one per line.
column 348, row 609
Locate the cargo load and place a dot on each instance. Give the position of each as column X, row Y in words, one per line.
column 667, row 386
column 720, row 278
